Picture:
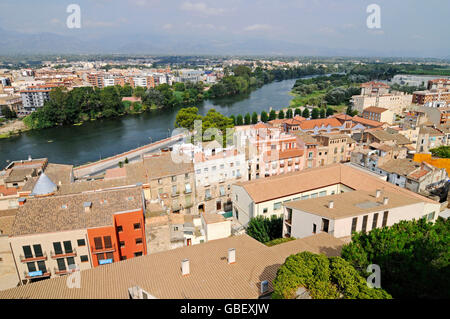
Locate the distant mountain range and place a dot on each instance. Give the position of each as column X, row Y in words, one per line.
column 12, row 42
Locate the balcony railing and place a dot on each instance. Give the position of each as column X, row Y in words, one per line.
column 36, row 274
column 103, row 249
column 61, row 272
column 54, row 255
column 175, row 194
column 33, row 258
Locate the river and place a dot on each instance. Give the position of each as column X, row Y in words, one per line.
column 103, row 138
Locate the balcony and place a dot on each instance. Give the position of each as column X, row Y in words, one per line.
column 54, row 255
column 208, row 197
column 175, row 194
column 32, row 258
column 103, row 249
column 36, row 274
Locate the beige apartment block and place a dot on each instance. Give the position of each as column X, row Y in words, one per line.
column 334, row 148
column 395, row 102
column 36, row 252
column 379, row 114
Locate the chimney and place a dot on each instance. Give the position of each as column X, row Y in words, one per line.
column 331, row 204
column 87, row 207
column 22, row 201
column 385, row 200
column 378, row 193
column 231, row 256
column 185, row 267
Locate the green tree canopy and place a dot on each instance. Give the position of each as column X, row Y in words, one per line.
column 239, row 120
column 272, row 115
column 414, row 257
column 186, row 117
column 254, row 118
column 441, row 152
column 315, row 113
column 265, row 229
column 281, row 114
column 289, row 114
column 323, row 277
column 247, row 119
column 264, row 117
column 323, row 113
column 305, row 113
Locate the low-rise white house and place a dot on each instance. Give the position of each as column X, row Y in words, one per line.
column 342, row 214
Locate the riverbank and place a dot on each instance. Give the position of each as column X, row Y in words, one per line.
column 102, row 138
column 12, row 128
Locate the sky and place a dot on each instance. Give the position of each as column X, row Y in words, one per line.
column 409, row 28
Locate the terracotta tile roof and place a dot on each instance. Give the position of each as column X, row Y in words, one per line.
column 363, row 121
column 6, row 224
column 374, row 84
column 210, row 275
column 67, row 212
column 306, row 138
column 290, row 153
column 384, row 136
column 430, row 131
column 163, row 166
column 311, row 124
column 400, row 166
column 213, row 218
column 59, row 173
column 118, row 172
column 274, row 187
column 375, row 109
column 8, row 191
column 351, row 204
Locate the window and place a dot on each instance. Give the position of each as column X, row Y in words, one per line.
column 364, row 224
column 38, row 251
column 265, row 210
column 107, row 240
column 174, row 178
column 122, row 244
column 323, row 193
column 71, row 262
column 325, row 224
column 137, row 254
column 123, row 257
column 58, row 248
column 354, row 222
column 98, row 243
column 110, row 256
column 138, row 241
column 68, row 247
column 186, row 176
column 41, row 266
column 31, row 267
column 305, row 197
column 188, row 188
column 277, row 206
column 119, row 229
column 81, row 242
column 137, row 226
column 159, row 181
column 430, row 216
column 375, row 221
column 314, row 195
column 314, row 228
column 385, row 218
column 174, row 189
column 61, row 264
column 84, row 258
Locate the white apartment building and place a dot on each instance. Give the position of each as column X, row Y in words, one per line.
column 342, row 214
column 265, row 197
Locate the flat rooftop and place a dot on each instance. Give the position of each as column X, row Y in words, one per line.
column 349, row 204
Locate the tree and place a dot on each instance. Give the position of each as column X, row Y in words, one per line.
column 265, row 229
column 414, row 257
column 272, row 115
column 186, row 116
column 330, row 111
column 441, row 151
column 281, row 114
column 305, row 113
column 323, row 278
column 239, row 120
column 7, row 113
column 264, row 117
column 289, row 114
column 254, row 118
column 323, row 113
column 247, row 119
column 315, row 113
column 233, row 118
column 298, row 112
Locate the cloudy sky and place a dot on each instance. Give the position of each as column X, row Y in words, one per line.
column 324, row 27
